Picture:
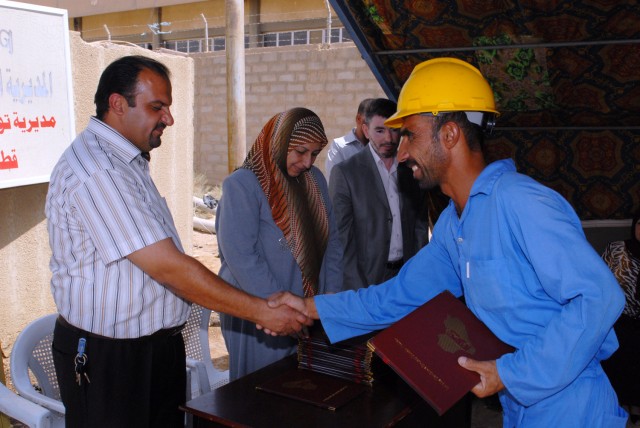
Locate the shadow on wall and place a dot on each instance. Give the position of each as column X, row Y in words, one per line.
column 21, row 209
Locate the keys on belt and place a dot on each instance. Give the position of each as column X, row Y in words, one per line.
column 80, row 362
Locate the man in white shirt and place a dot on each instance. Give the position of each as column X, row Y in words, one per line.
column 120, row 279
column 348, row 145
column 379, row 208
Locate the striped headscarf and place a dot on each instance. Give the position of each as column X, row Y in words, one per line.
column 296, row 202
column 633, row 247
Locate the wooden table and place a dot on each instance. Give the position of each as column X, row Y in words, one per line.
column 389, row 402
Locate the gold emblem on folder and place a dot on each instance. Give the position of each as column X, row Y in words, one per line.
column 455, row 337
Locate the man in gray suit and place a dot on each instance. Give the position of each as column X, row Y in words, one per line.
column 348, row 145
column 380, row 210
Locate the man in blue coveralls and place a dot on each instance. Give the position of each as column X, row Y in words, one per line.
column 512, row 246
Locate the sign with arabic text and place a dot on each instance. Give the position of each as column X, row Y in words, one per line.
column 36, row 97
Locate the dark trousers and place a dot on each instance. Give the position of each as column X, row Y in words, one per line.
column 623, row 367
column 133, row 382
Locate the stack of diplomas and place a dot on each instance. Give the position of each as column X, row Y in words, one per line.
column 328, row 375
column 350, row 359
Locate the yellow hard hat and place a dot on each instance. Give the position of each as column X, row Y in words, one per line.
column 442, row 85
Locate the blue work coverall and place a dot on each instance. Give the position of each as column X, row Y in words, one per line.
column 519, row 255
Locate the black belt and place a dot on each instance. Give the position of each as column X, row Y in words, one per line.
column 395, row 265
column 165, row 332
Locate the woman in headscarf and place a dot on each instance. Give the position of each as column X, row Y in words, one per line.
column 623, row 367
column 276, row 231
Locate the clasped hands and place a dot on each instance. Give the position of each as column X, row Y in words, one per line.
column 292, row 313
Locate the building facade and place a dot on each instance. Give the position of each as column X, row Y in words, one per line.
column 199, row 26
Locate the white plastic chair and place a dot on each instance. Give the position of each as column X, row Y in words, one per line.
column 23, row 410
column 204, row 376
column 32, row 360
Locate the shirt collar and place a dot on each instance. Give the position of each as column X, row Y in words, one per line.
column 490, row 174
column 351, row 137
column 378, row 160
column 121, row 147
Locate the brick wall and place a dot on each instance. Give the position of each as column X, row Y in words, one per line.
column 330, row 81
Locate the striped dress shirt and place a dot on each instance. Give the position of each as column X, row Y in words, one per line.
column 102, row 205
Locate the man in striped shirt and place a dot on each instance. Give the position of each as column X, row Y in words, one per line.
column 120, row 279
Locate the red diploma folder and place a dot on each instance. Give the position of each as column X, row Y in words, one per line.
column 314, row 388
column 424, row 346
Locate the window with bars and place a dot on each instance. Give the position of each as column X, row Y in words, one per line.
column 283, row 38
column 186, row 46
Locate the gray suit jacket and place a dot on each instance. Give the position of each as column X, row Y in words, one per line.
column 364, row 218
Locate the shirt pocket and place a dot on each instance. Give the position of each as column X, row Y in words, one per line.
column 487, row 285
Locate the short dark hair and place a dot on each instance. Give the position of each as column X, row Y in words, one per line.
column 121, row 77
column 473, row 133
column 362, row 107
column 382, row 107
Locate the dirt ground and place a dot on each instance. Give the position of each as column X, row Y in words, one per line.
column 205, row 249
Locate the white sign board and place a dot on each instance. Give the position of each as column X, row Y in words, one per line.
column 36, row 96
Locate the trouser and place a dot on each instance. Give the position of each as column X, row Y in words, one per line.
column 623, row 367
column 131, row 382
column 588, row 401
column 391, row 269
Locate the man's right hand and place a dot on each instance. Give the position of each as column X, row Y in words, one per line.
column 283, row 320
column 190, row 279
column 285, row 299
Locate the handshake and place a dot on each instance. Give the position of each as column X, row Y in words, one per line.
column 288, row 314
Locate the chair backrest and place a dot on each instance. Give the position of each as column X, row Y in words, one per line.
column 196, row 342
column 32, row 360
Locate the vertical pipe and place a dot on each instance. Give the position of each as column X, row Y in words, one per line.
column 254, row 23
column 206, row 33
column 327, row 39
column 155, row 35
column 236, row 117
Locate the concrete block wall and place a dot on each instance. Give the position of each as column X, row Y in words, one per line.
column 330, row 81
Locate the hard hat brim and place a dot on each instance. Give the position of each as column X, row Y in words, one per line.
column 396, row 120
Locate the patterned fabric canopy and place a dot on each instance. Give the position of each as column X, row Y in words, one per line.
column 565, row 74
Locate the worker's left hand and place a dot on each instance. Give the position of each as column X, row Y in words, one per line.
column 490, row 381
